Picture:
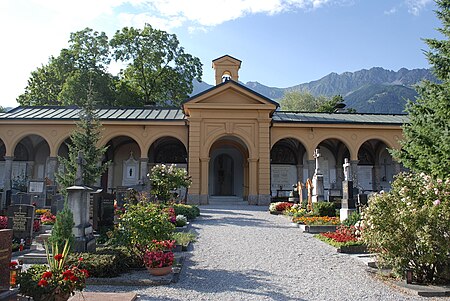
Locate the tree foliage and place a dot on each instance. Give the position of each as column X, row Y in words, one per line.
column 158, row 71
column 85, row 139
column 304, row 101
column 426, row 143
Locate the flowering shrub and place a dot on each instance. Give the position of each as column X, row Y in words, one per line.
column 3, row 222
column 280, row 206
column 294, row 209
column 167, row 178
column 142, row 223
column 409, row 227
column 343, row 234
column 159, row 254
column 58, row 279
column 41, row 211
column 316, row 220
column 181, row 220
column 48, row 218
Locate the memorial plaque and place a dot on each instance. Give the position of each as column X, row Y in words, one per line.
column 5, row 257
column 20, row 220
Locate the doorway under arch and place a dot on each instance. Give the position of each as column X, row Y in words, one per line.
column 228, row 169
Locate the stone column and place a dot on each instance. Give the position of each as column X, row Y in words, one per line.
column 354, row 175
column 7, row 185
column 50, row 169
column 376, row 180
column 144, row 170
column 204, row 180
column 252, row 179
column 311, row 167
column 194, row 161
column 299, row 173
column 263, row 164
column 110, row 176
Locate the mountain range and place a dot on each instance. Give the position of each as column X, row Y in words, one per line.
column 376, row 90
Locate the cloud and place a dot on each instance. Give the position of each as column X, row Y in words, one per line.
column 415, row 6
column 391, row 11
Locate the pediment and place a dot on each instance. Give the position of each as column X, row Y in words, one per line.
column 230, row 95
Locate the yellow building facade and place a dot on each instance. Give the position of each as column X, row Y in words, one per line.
column 234, row 142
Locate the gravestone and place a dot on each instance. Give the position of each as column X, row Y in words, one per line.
column 57, row 203
column 348, row 205
column 21, row 198
column 20, row 220
column 5, row 257
column 309, row 187
column 121, row 193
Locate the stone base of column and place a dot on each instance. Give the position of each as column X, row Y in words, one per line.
column 252, row 199
column 197, row 199
column 345, row 213
column 264, row 199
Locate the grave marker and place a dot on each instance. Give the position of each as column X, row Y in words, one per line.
column 20, row 220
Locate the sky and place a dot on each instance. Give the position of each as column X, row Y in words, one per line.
column 281, row 43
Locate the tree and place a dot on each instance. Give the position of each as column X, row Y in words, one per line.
column 426, row 144
column 62, row 229
column 159, row 70
column 85, row 139
column 335, row 104
column 64, row 79
column 301, row 101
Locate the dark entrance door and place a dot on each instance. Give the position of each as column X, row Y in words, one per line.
column 223, row 175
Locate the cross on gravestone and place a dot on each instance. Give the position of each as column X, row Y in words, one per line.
column 317, row 156
column 20, row 220
column 80, row 164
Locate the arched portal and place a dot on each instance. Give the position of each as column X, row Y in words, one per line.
column 228, row 169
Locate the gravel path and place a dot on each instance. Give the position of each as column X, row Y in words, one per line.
column 244, row 253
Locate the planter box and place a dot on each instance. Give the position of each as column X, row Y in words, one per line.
column 358, row 249
column 185, row 247
column 317, row 229
column 178, row 248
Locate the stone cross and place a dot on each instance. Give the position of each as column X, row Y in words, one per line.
column 316, row 156
column 347, row 170
column 81, row 162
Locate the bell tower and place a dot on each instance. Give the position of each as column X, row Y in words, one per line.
column 226, row 67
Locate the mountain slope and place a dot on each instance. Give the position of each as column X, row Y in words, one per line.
column 376, row 90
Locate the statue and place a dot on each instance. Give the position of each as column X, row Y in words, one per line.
column 347, row 170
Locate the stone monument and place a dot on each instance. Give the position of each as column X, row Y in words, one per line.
column 78, row 198
column 348, row 201
column 318, row 190
column 309, row 187
column 5, row 258
column 20, row 220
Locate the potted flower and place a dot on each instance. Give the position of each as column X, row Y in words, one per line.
column 48, row 218
column 159, row 258
column 55, row 282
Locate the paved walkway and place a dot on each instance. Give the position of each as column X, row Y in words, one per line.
column 244, row 253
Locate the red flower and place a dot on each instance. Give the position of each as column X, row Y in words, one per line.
column 80, row 259
column 47, row 274
column 85, row 272
column 67, row 274
column 73, row 278
column 58, row 257
column 42, row 282
column 12, row 264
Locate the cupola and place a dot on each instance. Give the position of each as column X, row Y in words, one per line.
column 226, row 67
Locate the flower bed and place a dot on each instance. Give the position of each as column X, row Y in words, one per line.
column 317, row 220
column 279, row 207
column 345, row 238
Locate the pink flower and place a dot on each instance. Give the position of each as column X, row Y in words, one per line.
column 437, row 202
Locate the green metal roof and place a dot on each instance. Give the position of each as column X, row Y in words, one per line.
column 72, row 113
column 338, row 118
column 173, row 114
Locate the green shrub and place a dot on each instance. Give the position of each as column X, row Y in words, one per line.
column 324, row 209
column 62, row 229
column 141, row 224
column 166, row 178
column 409, row 227
column 190, row 211
column 183, row 238
column 352, row 219
column 28, row 280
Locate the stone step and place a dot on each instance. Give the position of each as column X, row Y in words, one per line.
column 34, row 257
column 41, row 238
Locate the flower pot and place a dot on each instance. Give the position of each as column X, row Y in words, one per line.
column 160, row 271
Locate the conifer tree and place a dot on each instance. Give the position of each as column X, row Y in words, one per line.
column 426, row 143
column 84, row 139
column 62, row 229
